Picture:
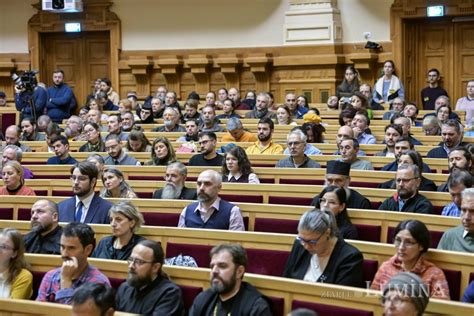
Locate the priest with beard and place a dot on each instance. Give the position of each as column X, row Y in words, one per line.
column 148, row 290
column 174, row 188
column 45, row 232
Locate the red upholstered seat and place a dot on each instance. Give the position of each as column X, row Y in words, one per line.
column 242, row 198
column 454, row 282
column 41, row 192
column 471, row 277
column 282, row 226
column 290, row 200
column 62, row 193
column 148, row 178
column 277, row 305
column 266, row 262
column 161, row 219
column 189, row 294
column 368, row 232
column 199, row 252
column 115, row 282
column 330, row 310
column 24, row 214
column 375, row 205
column 370, row 268
column 267, row 180
column 364, row 184
column 52, row 176
column 145, row 195
column 302, row 181
column 6, row 213
column 37, row 278
column 437, row 209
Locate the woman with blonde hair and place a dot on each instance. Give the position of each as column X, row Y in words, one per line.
column 162, row 153
column 115, row 185
column 13, row 178
column 125, row 220
column 15, row 279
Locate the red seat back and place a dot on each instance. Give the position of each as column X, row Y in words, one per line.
column 330, row 310
column 6, row 213
column 161, row 219
column 290, row 200
column 266, row 262
column 200, row 253
column 282, row 226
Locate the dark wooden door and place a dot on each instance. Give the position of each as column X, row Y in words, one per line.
column 82, row 56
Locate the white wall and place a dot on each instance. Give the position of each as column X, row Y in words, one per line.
column 14, row 16
column 175, row 24
column 180, row 24
column 359, row 16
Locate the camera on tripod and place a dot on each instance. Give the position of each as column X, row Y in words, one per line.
column 27, row 80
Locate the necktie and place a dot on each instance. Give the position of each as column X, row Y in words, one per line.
column 79, row 211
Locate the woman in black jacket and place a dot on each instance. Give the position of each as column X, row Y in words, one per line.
column 319, row 255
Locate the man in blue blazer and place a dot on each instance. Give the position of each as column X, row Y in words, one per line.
column 85, row 206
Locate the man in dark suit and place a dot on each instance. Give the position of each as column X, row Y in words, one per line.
column 451, row 134
column 85, row 206
column 175, row 189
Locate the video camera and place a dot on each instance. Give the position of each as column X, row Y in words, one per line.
column 27, row 80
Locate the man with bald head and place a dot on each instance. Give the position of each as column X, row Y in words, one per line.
column 45, row 232
column 12, row 137
column 345, row 132
column 210, row 211
column 297, row 111
column 234, row 94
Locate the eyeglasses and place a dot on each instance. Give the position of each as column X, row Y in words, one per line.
column 137, row 261
column 79, row 178
column 312, row 242
column 5, row 247
column 398, row 242
column 290, row 144
column 405, row 180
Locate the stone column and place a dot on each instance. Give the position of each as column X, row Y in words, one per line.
column 310, row 22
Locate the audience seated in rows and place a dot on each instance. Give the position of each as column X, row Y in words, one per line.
column 93, row 299
column 14, row 153
column 265, row 144
column 261, row 108
column 237, row 167
column 349, row 149
column 60, row 145
column 94, row 140
column 392, row 133
column 162, row 152
column 29, row 130
column 237, row 133
column 402, row 145
column 451, row 135
column 114, row 126
column 13, row 180
column 137, row 142
column 458, row 181
column 115, row 185
column 116, row 155
column 296, row 142
column 209, row 122
column 208, row 156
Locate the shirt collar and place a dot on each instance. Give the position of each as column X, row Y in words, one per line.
column 236, row 176
column 87, row 201
column 214, row 206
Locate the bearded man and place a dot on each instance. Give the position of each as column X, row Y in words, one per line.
column 148, row 290
column 45, row 232
column 175, row 188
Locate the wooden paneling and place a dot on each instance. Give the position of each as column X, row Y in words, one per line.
column 83, row 57
column 464, row 52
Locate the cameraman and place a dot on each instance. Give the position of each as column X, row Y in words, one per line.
column 23, row 98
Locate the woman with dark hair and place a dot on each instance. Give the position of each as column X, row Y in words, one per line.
column 443, row 113
column 302, row 101
column 412, row 157
column 16, row 281
column 388, row 87
column 350, row 83
column 412, row 239
column 162, row 153
column 115, row 185
column 319, row 254
column 137, row 141
column 315, row 132
column 94, row 140
column 334, row 199
column 346, row 116
column 360, row 103
column 13, row 180
column 237, row 167
column 125, row 220
column 228, row 106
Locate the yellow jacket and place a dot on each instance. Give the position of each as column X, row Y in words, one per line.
column 271, row 148
column 22, row 286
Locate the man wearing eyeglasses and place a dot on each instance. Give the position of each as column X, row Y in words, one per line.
column 85, row 206
column 296, row 142
column 407, row 198
column 148, row 290
column 58, row 285
column 208, row 156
